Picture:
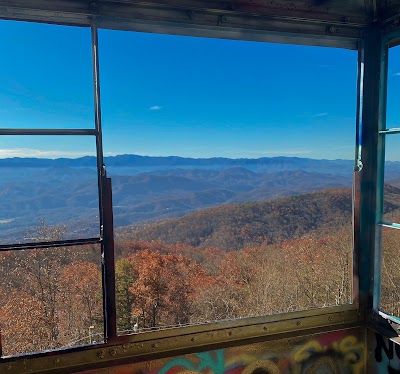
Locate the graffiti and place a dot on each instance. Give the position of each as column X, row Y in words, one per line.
column 332, row 353
column 206, row 361
column 354, row 352
column 342, row 355
column 381, row 346
column 347, row 353
column 387, row 355
column 262, row 367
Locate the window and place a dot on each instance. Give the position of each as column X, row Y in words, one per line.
column 51, row 293
column 390, row 300
column 232, row 183
column 59, row 190
column 232, row 175
column 50, row 298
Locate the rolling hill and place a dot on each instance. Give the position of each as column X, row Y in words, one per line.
column 235, row 226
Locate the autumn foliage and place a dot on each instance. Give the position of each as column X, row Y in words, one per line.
column 51, row 298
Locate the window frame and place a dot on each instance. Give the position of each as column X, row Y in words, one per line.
column 379, row 316
column 103, row 188
column 204, row 335
column 354, row 302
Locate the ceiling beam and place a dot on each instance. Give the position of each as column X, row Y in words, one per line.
column 281, row 21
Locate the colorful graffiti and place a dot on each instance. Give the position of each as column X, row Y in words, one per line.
column 386, row 354
column 337, row 352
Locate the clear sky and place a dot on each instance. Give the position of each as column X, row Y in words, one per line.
column 170, row 95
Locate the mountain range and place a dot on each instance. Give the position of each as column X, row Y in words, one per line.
column 64, row 191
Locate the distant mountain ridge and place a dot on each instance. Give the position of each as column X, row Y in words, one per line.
column 117, row 164
column 282, row 163
column 64, row 191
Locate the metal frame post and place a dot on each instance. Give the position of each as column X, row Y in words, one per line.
column 97, row 117
column 373, row 105
column 109, row 262
column 105, row 205
column 355, row 287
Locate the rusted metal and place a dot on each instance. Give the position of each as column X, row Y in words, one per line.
column 108, row 264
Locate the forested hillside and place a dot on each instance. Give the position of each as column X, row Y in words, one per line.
column 231, row 261
column 235, row 226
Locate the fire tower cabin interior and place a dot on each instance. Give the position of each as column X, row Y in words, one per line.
column 230, row 203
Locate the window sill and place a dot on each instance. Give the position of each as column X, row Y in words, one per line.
column 141, row 346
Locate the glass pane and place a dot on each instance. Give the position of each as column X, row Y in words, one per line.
column 48, row 181
column 46, row 77
column 232, row 176
column 390, row 298
column 50, row 298
column 392, row 179
column 393, row 112
column 390, row 290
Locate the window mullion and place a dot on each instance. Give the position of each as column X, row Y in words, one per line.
column 105, row 205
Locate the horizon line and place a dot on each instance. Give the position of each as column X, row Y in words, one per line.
column 174, row 156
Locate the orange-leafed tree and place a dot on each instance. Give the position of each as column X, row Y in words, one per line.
column 23, row 323
column 150, row 287
column 163, row 289
column 181, row 275
column 47, row 284
column 80, row 302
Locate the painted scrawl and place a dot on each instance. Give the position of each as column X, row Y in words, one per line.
column 337, row 352
column 384, row 356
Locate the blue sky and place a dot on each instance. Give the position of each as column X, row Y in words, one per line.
column 170, row 95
